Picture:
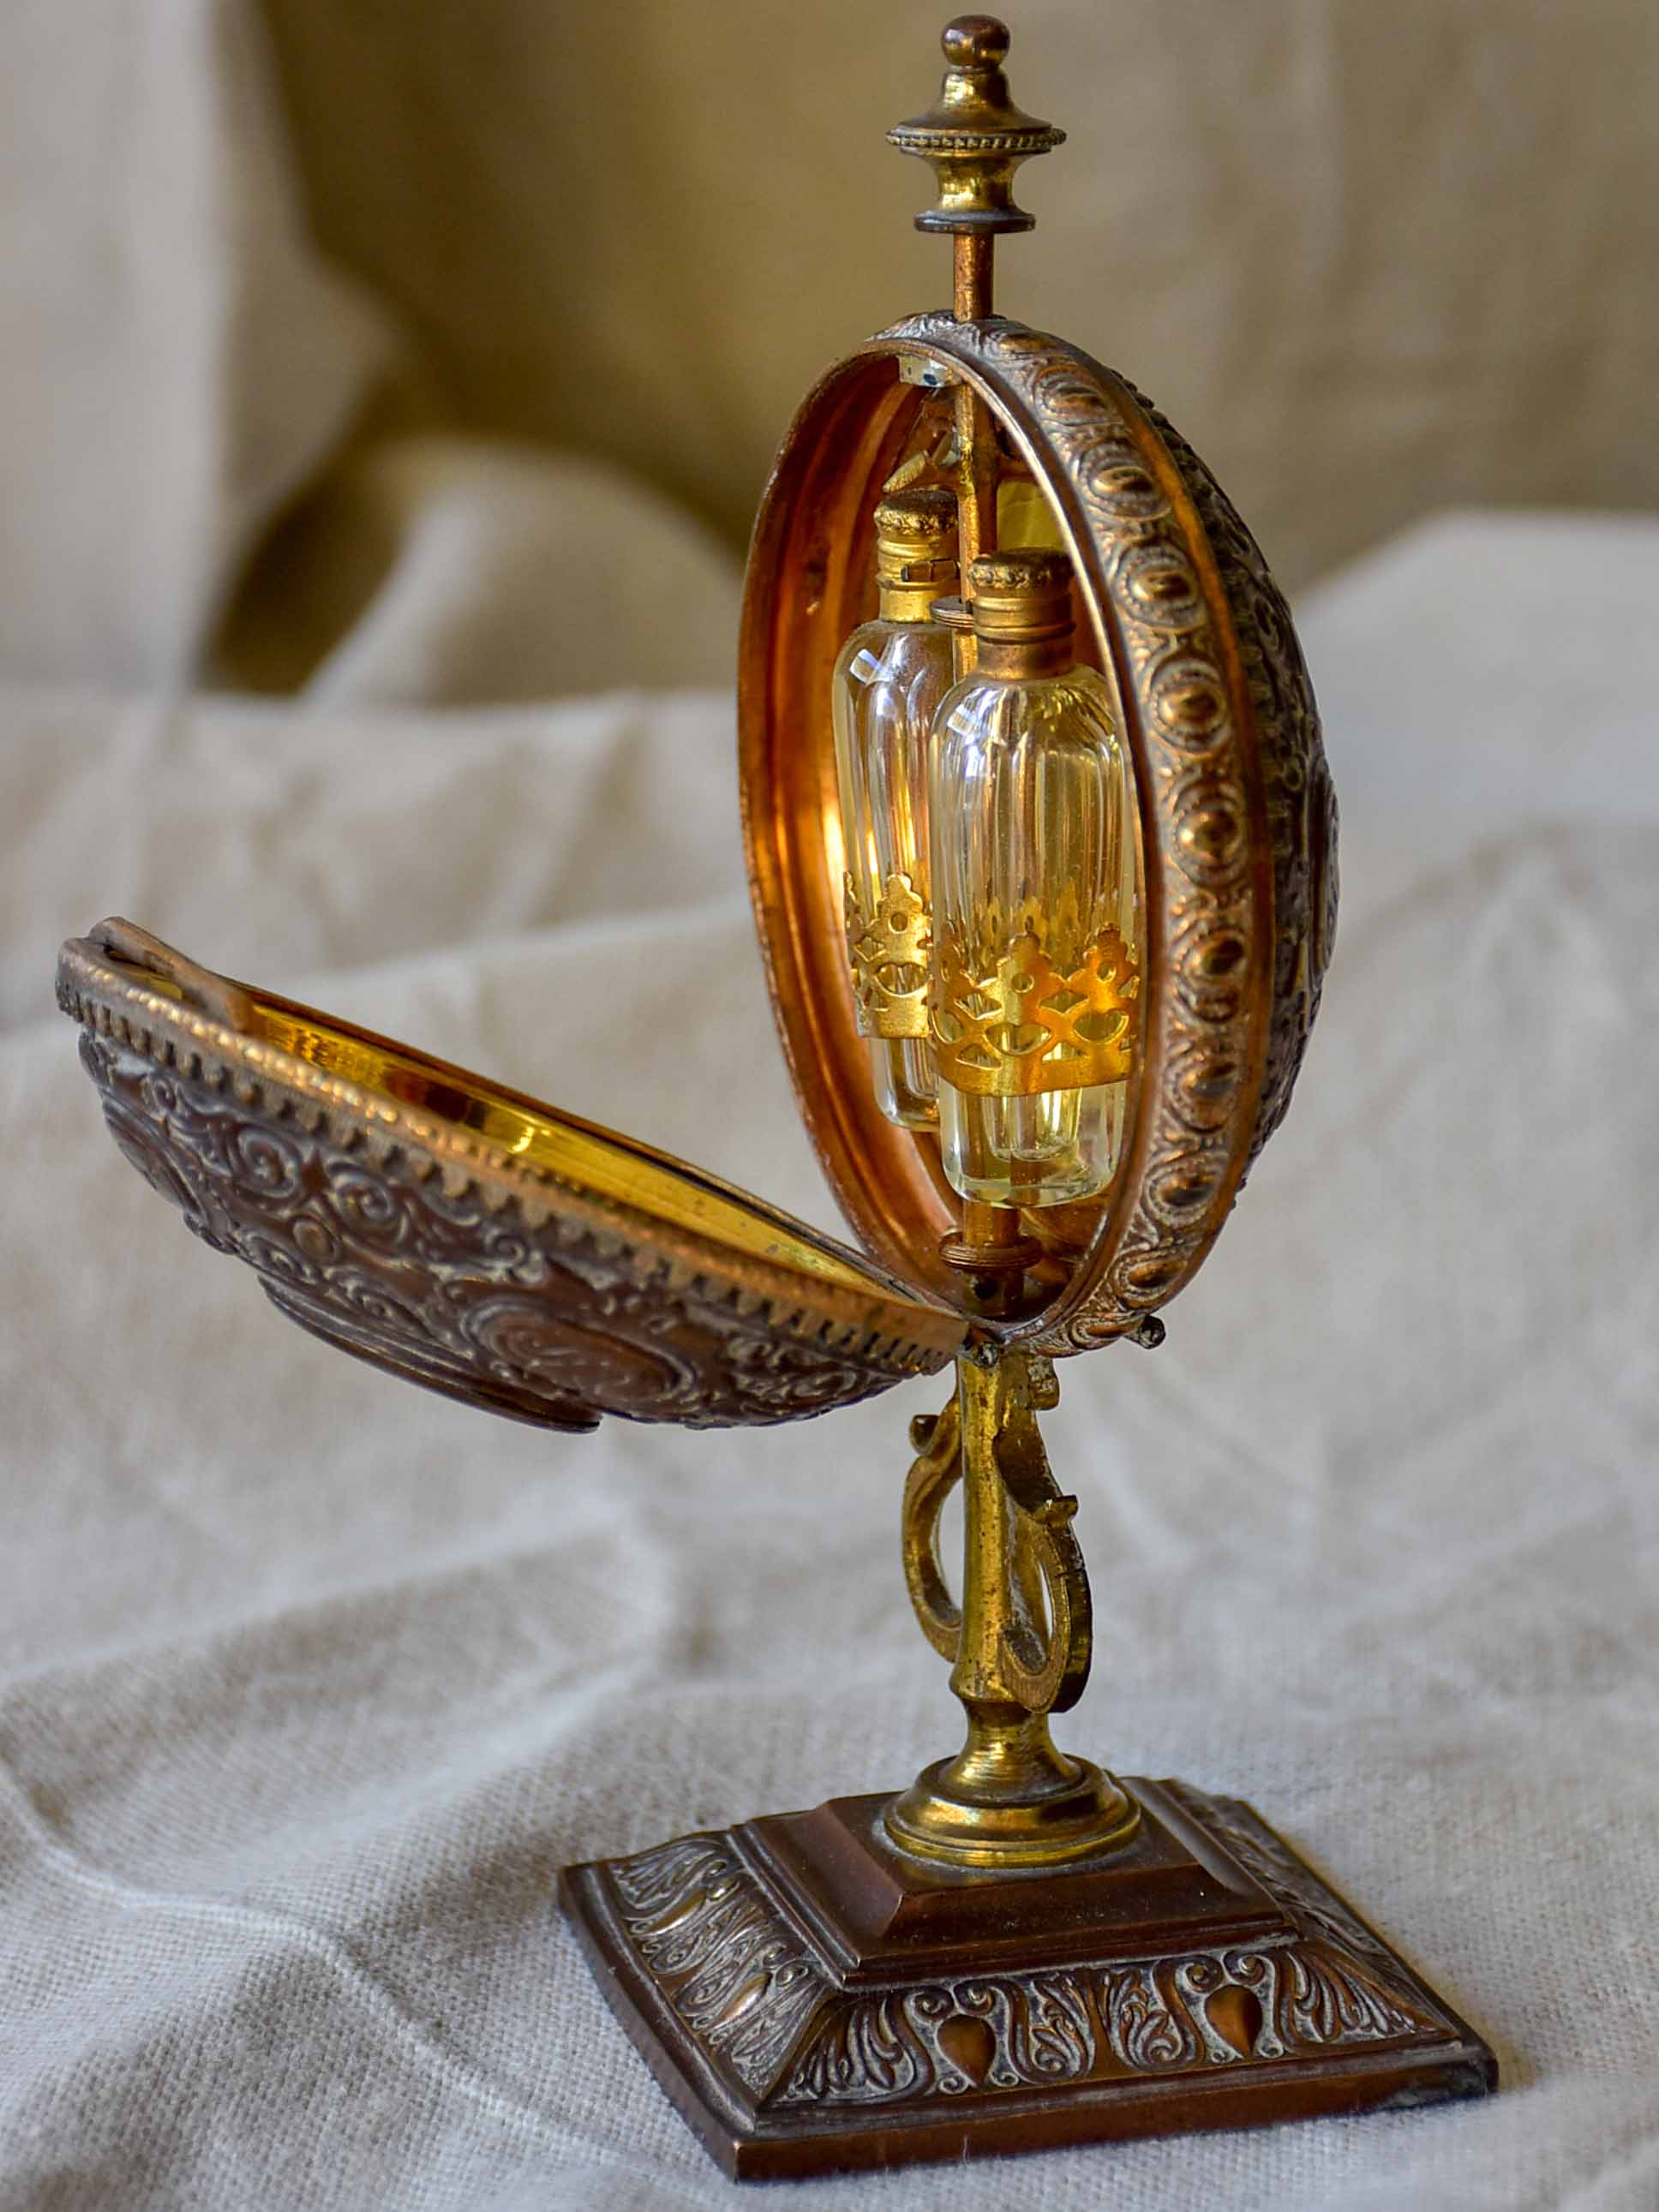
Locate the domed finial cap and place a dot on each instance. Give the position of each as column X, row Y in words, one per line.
column 973, row 135
column 974, row 42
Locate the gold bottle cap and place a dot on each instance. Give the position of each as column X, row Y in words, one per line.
column 1021, row 594
column 916, row 545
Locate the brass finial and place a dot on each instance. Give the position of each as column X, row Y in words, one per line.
column 974, row 135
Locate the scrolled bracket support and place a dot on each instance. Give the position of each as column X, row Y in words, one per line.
column 1019, row 1640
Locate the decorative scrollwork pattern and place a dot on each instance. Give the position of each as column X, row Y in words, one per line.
column 1302, row 812
column 1317, row 1910
column 1160, row 2016
column 1019, row 1026
column 737, row 1977
column 527, row 1301
column 749, row 1988
column 888, row 951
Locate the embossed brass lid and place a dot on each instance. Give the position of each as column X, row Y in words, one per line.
column 463, row 1237
column 915, row 551
column 1022, row 592
column 918, row 521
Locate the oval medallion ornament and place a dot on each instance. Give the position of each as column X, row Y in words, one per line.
column 464, row 1238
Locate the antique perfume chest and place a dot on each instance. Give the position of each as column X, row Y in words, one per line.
column 1041, row 847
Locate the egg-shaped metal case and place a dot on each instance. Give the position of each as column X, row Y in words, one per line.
column 1019, row 1949
column 1237, row 819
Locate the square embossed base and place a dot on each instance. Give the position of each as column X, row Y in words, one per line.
column 813, row 2000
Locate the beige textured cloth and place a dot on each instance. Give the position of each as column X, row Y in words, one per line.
column 180, row 372
column 309, row 1681
column 1374, row 261
column 1374, row 264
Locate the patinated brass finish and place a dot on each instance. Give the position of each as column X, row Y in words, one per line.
column 974, row 137
column 1022, row 596
column 915, row 551
column 813, row 1998
column 1237, row 827
column 1018, row 1948
column 460, row 1237
column 1019, row 1642
column 1237, row 822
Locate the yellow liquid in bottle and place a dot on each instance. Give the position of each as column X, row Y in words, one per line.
column 889, row 679
column 1029, row 799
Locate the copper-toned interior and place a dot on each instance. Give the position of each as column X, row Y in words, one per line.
column 817, row 548
column 811, row 582
column 808, row 584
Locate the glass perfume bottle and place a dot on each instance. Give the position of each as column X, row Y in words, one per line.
column 890, row 676
column 1036, row 900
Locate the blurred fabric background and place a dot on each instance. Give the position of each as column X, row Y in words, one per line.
column 317, row 305
column 384, row 390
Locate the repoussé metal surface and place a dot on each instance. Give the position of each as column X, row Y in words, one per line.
column 1018, row 1948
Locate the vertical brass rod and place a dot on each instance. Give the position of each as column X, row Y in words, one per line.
column 987, row 1538
column 972, row 267
column 976, row 445
column 972, row 274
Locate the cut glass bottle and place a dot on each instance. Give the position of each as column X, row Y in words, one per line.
column 889, row 678
column 1034, row 876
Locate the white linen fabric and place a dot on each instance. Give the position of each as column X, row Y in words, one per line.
column 309, row 1680
column 178, row 358
column 206, row 461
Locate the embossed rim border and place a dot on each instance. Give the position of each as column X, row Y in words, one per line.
column 1221, row 1041
column 397, row 1140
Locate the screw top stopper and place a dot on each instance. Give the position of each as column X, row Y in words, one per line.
column 973, row 136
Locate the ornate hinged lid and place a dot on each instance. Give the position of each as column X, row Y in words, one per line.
column 465, row 1238
column 485, row 1245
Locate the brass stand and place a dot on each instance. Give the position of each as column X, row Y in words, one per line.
column 1018, row 1644
column 1017, row 1950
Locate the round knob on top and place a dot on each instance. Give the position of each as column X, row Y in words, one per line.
column 974, row 42
column 973, row 136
